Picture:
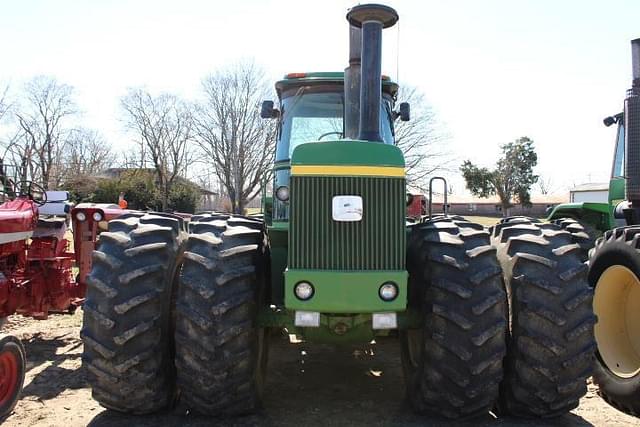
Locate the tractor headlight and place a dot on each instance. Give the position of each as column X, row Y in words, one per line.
column 282, row 193
column 388, row 291
column 97, row 216
column 81, row 216
column 303, row 290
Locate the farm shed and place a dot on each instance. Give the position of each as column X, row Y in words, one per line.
column 590, row 192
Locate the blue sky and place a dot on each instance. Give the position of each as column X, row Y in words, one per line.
column 493, row 70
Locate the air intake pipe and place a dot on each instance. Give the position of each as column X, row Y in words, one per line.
column 371, row 18
column 632, row 131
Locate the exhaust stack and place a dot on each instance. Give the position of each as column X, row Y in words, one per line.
column 635, row 61
column 632, row 131
column 352, row 84
column 371, row 18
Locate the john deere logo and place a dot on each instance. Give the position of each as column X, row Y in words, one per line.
column 347, row 208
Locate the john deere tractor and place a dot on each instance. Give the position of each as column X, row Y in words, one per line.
column 589, row 220
column 614, row 268
column 484, row 320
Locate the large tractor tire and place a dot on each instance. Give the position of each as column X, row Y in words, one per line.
column 615, row 274
column 12, row 370
column 221, row 354
column 453, row 365
column 128, row 326
column 550, row 350
column 582, row 233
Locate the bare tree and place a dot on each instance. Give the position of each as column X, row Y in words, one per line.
column 163, row 125
column 545, row 185
column 132, row 158
column 86, row 153
column 4, row 103
column 42, row 116
column 5, row 173
column 422, row 139
column 16, row 150
column 231, row 133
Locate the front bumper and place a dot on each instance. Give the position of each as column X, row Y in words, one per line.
column 345, row 292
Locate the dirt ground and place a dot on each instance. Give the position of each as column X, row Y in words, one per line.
column 307, row 385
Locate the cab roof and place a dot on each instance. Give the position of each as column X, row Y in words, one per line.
column 292, row 80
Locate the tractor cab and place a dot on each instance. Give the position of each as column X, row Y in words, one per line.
column 312, row 109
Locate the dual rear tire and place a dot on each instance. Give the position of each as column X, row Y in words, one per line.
column 221, row 354
column 169, row 312
column 523, row 346
column 128, row 327
column 453, row 365
column 550, row 345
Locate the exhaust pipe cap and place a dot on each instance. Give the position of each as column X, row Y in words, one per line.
column 372, row 12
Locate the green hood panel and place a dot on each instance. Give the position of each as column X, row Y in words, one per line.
column 574, row 209
column 347, row 152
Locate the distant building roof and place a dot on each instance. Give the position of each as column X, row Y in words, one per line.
column 591, row 186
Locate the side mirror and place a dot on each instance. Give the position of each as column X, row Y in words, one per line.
column 608, row 121
column 267, row 111
column 404, row 112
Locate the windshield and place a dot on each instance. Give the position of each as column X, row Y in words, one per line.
column 618, row 161
column 316, row 114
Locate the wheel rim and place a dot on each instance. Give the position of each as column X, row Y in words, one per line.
column 9, row 372
column 616, row 302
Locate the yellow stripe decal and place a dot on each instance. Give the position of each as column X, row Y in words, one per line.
column 348, row 170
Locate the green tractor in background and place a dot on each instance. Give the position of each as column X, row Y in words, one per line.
column 614, row 263
column 600, row 217
column 589, row 220
column 485, row 318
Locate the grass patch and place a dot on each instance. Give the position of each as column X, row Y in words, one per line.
column 487, row 221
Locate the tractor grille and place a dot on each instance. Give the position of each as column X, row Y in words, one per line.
column 316, row 241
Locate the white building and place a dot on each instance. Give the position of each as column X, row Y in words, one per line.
column 591, row 192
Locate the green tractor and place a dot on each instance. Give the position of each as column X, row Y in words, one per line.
column 614, row 264
column 589, row 220
column 485, row 319
column 600, row 217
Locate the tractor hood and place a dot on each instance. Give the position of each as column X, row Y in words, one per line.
column 348, row 156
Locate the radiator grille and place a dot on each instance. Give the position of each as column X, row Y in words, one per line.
column 316, row 241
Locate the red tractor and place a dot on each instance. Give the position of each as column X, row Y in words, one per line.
column 36, row 276
column 416, row 204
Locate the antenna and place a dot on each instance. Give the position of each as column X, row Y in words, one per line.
column 398, row 55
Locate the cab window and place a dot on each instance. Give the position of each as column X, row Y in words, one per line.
column 618, row 161
column 311, row 114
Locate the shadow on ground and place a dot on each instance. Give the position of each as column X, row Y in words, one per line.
column 53, row 352
column 328, row 386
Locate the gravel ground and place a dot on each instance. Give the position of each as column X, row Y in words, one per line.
column 311, row 385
